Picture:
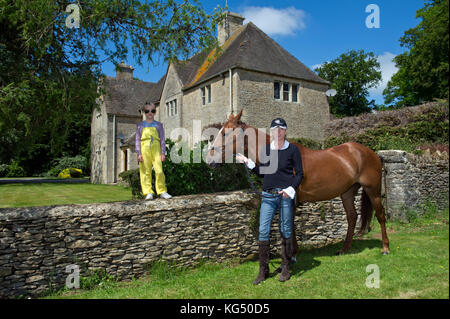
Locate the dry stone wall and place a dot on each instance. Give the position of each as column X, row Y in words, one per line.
column 412, row 181
column 124, row 238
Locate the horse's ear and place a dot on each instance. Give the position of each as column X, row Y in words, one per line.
column 238, row 116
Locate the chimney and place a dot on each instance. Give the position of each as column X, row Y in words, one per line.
column 230, row 23
column 124, row 72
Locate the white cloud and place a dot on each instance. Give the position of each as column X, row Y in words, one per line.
column 316, row 66
column 388, row 69
column 276, row 21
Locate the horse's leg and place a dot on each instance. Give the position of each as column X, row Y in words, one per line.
column 348, row 200
column 375, row 198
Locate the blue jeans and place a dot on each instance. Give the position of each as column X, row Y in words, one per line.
column 270, row 203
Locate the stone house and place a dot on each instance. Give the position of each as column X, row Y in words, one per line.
column 248, row 71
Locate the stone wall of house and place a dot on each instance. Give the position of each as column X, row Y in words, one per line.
column 305, row 118
column 124, row 238
column 126, row 126
column 252, row 92
column 99, row 137
column 102, row 130
column 171, row 92
column 412, row 181
column 196, row 116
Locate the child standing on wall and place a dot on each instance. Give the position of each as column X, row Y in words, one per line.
column 151, row 152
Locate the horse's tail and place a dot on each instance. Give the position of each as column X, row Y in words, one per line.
column 366, row 212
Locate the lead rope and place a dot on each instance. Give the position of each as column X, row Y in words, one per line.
column 249, row 179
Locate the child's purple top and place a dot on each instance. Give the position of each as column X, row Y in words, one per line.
column 159, row 128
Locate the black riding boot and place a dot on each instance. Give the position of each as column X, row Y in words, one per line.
column 264, row 249
column 287, row 251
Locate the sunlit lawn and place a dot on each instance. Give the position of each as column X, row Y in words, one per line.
column 42, row 194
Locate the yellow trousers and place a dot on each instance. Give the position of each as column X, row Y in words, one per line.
column 151, row 159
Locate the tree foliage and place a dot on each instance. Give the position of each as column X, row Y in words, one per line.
column 423, row 69
column 352, row 74
column 49, row 71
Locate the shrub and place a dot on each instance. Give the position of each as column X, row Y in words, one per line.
column 407, row 138
column 309, row 143
column 70, row 173
column 79, row 161
column 14, row 170
column 433, row 148
column 4, row 170
column 406, row 128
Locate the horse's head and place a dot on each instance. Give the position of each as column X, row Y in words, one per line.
column 226, row 143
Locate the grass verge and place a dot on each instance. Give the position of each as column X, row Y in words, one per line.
column 45, row 194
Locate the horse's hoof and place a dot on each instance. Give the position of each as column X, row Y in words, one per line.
column 340, row 252
column 385, row 252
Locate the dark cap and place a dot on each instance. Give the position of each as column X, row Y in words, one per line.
column 278, row 122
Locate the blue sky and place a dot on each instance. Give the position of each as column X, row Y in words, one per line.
column 318, row 31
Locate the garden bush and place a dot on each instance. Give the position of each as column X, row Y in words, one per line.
column 79, row 162
column 4, row 170
column 70, row 173
column 408, row 128
column 14, row 170
column 306, row 142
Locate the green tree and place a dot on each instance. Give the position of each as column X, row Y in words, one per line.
column 49, row 71
column 352, row 74
column 423, row 69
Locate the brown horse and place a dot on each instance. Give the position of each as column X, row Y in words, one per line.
column 337, row 171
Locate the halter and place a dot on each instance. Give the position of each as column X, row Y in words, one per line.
column 252, row 185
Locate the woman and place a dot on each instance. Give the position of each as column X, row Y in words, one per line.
column 279, row 191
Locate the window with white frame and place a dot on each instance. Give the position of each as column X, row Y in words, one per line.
column 285, row 91
column 206, row 94
column 171, row 108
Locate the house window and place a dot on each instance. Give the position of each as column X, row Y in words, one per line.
column 285, row 91
column 171, row 108
column 203, row 96
column 294, row 92
column 208, row 89
column 206, row 94
column 276, row 90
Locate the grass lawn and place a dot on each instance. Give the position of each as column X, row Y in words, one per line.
column 417, row 267
column 43, row 194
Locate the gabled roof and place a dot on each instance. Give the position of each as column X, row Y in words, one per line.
column 125, row 97
column 248, row 48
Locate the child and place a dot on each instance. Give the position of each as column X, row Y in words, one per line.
column 151, row 150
